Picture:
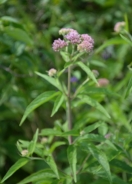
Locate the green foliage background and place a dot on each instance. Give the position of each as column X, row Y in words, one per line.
column 27, row 30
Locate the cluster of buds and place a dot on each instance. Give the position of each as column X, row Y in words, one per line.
column 84, row 42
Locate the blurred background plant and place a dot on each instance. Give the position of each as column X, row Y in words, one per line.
column 27, row 30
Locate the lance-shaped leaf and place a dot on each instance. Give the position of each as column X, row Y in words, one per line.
column 41, row 99
column 32, row 144
column 21, row 162
column 58, row 102
column 40, row 175
column 65, row 56
column 93, row 103
column 88, row 71
column 51, row 80
column 72, row 158
column 50, row 161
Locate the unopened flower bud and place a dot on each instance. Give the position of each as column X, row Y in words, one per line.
column 24, row 152
column 52, row 72
column 119, row 26
column 82, row 132
column 44, row 140
column 103, row 82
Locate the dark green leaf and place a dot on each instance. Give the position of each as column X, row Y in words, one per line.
column 50, row 161
column 41, row 99
column 72, row 158
column 21, row 162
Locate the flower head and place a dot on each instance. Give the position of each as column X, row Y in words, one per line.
column 86, row 37
column 73, row 37
column 64, row 31
column 103, row 82
column 58, row 44
column 85, row 46
column 119, row 26
column 52, row 72
column 24, row 152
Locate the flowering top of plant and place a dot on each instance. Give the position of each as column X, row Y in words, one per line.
column 84, row 42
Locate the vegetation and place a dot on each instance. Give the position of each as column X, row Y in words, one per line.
column 65, row 110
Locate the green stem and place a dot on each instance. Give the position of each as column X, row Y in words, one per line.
column 69, row 103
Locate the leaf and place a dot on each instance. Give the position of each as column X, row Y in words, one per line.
column 121, row 165
column 50, row 131
column 65, row 56
column 2, row 1
column 10, row 19
column 93, row 103
column 113, row 41
column 18, row 34
column 90, row 128
column 50, row 161
column 21, row 162
column 41, row 99
column 40, row 175
column 57, row 104
column 32, row 144
column 101, row 158
column 91, row 137
column 51, row 80
column 88, row 71
column 129, row 86
column 72, row 158
column 55, row 145
column 126, row 39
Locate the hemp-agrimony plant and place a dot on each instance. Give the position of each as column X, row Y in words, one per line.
column 74, row 137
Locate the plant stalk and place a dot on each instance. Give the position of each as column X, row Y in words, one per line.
column 69, row 104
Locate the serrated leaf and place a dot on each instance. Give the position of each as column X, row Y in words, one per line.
column 65, row 56
column 18, row 34
column 57, row 104
column 72, row 158
column 41, row 99
column 93, row 103
column 40, row 175
column 87, row 70
column 21, row 162
column 32, row 144
column 50, row 161
column 51, row 80
column 101, row 158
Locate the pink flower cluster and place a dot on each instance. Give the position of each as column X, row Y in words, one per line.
column 84, row 42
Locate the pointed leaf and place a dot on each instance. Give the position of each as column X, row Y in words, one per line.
column 50, row 161
column 18, row 34
column 126, row 39
column 57, row 104
column 90, row 128
column 41, row 99
column 40, row 175
column 72, row 158
column 32, row 144
column 88, row 71
column 93, row 103
column 21, row 162
column 101, row 158
column 65, row 56
column 50, row 131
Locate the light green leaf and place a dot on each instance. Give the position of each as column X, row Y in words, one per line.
column 32, row 144
column 65, row 56
column 40, row 175
column 57, row 104
column 101, row 158
column 8, row 18
column 51, row 80
column 90, row 128
column 55, row 145
column 91, row 137
column 126, row 39
column 87, row 70
column 41, row 99
column 129, row 87
column 93, row 103
column 2, row 1
column 18, row 34
column 113, row 41
column 50, row 131
column 50, row 161
column 21, row 162
column 72, row 158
